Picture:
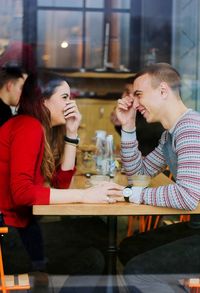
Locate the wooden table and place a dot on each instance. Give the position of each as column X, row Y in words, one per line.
column 117, row 209
column 110, row 210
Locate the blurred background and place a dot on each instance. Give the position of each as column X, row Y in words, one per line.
column 97, row 44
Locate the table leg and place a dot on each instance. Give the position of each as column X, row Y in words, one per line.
column 112, row 286
column 112, row 244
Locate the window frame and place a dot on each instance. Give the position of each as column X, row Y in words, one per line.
column 31, row 9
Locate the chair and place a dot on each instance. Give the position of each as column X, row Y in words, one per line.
column 145, row 222
column 192, row 285
column 11, row 282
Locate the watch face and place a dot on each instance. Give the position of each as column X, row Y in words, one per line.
column 127, row 192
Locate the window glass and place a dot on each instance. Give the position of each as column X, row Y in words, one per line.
column 95, row 4
column 119, row 40
column 59, row 39
column 61, row 3
column 121, row 4
column 11, row 18
column 94, row 39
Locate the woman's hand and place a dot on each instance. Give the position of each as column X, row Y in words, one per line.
column 72, row 117
column 104, row 192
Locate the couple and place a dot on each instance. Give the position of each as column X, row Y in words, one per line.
column 38, row 147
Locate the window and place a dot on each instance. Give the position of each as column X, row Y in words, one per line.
column 83, row 34
column 11, row 18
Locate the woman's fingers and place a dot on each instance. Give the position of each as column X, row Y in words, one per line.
column 71, row 107
column 114, row 192
column 117, row 198
column 104, row 192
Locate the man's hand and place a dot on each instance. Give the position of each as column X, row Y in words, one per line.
column 126, row 112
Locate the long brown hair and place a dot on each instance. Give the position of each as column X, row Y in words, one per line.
column 37, row 88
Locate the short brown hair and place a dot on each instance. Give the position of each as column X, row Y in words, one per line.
column 10, row 71
column 162, row 72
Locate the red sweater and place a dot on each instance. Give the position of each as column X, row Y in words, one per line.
column 21, row 181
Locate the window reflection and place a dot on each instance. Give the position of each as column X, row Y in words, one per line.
column 119, row 39
column 120, row 4
column 56, row 28
column 94, row 39
column 61, row 3
column 70, row 34
column 95, row 4
column 11, row 17
column 80, row 35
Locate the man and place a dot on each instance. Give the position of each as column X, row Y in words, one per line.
column 148, row 135
column 156, row 95
column 12, row 79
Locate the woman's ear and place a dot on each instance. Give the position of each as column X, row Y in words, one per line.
column 45, row 102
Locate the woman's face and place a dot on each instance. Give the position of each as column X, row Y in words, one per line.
column 57, row 102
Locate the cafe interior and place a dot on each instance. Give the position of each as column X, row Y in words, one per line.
column 97, row 45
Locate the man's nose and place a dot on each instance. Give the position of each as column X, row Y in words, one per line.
column 135, row 103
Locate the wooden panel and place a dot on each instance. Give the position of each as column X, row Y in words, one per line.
column 112, row 75
column 95, row 116
column 10, row 280
column 18, row 282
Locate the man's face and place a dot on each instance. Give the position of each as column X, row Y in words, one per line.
column 147, row 100
column 16, row 89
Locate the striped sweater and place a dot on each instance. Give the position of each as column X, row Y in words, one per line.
column 185, row 193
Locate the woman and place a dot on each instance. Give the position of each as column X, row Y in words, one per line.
column 37, row 158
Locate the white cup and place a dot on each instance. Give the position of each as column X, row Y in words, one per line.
column 140, row 180
column 96, row 179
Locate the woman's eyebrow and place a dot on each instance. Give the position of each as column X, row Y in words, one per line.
column 65, row 94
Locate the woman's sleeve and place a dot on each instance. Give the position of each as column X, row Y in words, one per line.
column 62, row 179
column 27, row 146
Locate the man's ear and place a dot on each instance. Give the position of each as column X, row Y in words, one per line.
column 9, row 85
column 164, row 89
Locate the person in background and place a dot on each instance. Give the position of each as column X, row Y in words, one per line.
column 12, row 78
column 37, row 162
column 156, row 95
column 148, row 135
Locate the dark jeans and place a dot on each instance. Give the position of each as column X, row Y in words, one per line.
column 166, row 250
column 75, row 246
column 32, row 240
column 28, row 243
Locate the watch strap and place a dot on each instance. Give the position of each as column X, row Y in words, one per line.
column 127, row 197
column 72, row 140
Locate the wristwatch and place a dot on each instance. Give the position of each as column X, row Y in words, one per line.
column 132, row 194
column 127, row 192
